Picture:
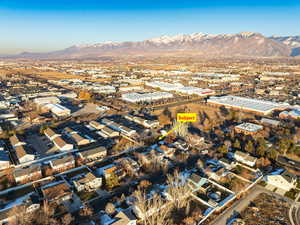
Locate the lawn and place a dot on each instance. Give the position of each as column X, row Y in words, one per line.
column 292, row 194
column 86, row 196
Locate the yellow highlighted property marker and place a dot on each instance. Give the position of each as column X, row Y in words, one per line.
column 182, row 118
column 186, row 117
column 161, row 137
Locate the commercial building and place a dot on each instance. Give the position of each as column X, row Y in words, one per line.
column 146, row 97
column 104, row 89
column 248, row 128
column 247, row 104
column 189, row 90
column 58, row 110
column 130, row 88
column 164, row 85
column 46, row 100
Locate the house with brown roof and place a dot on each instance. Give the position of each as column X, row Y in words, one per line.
column 22, row 154
column 245, row 158
column 96, row 125
column 57, row 192
column 109, row 170
column 88, row 182
column 78, row 139
column 24, row 175
column 62, row 164
column 167, row 151
column 93, row 154
column 124, row 217
column 62, row 145
column 50, row 134
column 15, row 141
column 109, row 132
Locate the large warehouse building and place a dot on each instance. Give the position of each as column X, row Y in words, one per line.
column 247, row 104
column 146, row 97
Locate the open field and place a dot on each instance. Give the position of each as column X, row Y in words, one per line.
column 58, row 75
column 266, row 209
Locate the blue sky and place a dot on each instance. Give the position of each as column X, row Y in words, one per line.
column 35, row 25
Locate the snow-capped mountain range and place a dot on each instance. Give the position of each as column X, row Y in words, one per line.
column 245, row 44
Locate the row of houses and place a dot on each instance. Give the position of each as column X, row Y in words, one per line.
column 57, row 165
column 118, row 127
column 103, row 130
column 146, row 123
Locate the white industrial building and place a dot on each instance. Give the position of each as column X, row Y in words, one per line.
column 131, row 88
column 147, row 97
column 189, row 90
column 164, row 85
column 58, row 110
column 247, row 104
column 248, row 128
column 46, row 100
column 107, row 89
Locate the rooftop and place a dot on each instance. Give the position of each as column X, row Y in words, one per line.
column 248, row 103
column 251, row 127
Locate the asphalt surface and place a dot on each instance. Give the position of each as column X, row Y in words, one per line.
column 288, row 162
column 294, row 213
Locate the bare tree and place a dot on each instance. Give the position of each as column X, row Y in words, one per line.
column 178, row 190
column 110, row 208
column 181, row 129
column 18, row 216
column 152, row 210
column 67, row 219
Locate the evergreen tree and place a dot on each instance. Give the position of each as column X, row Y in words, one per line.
column 237, row 144
column 112, row 181
column 272, row 154
column 223, row 149
column 249, row 147
column 262, row 147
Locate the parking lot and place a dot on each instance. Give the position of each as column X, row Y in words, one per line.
column 41, row 144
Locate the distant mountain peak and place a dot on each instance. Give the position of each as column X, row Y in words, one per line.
column 249, row 34
column 243, row 44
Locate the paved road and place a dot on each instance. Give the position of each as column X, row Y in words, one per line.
column 297, row 222
column 288, row 162
column 295, row 218
column 242, row 203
